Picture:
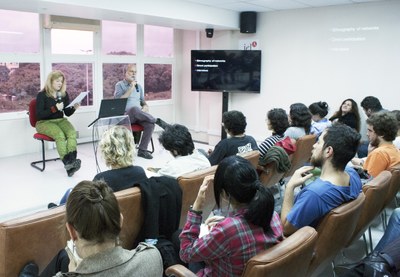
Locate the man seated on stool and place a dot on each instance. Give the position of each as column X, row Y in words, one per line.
column 136, row 108
column 336, row 185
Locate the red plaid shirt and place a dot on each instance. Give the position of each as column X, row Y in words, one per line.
column 229, row 245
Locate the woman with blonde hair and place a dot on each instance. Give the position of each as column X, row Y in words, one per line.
column 117, row 148
column 51, row 105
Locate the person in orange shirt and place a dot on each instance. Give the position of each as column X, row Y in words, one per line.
column 383, row 155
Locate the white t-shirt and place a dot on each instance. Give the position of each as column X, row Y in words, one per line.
column 185, row 164
column 396, row 142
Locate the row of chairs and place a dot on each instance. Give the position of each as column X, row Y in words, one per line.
column 314, row 253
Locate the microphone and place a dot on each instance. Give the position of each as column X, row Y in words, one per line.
column 59, row 98
column 137, row 87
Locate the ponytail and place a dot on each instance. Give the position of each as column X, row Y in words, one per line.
column 261, row 208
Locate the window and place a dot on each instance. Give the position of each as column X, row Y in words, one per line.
column 118, row 38
column 158, row 41
column 112, row 74
column 157, row 81
column 71, row 42
column 19, row 83
column 79, row 78
column 19, row 32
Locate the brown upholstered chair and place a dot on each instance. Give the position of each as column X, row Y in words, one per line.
column 130, row 205
column 290, row 257
column 375, row 192
column 303, row 153
column 334, row 232
column 252, row 157
column 394, row 187
column 190, row 184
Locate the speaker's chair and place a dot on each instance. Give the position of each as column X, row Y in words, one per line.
column 38, row 136
column 137, row 130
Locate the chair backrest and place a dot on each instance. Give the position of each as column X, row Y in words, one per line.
column 334, row 232
column 32, row 113
column 394, row 185
column 190, row 184
column 130, row 205
column 375, row 192
column 252, row 157
column 291, row 257
column 303, row 153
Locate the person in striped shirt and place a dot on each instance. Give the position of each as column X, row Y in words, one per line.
column 277, row 122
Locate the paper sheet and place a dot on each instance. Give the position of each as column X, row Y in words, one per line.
column 78, row 99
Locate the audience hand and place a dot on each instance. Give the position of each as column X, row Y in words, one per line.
column 300, row 176
column 212, row 220
column 201, row 196
column 60, row 106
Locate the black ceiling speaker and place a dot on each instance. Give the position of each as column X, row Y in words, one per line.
column 248, row 22
column 209, row 32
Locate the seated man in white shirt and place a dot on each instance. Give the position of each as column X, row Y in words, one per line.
column 178, row 141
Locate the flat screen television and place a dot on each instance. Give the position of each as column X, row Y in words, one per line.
column 226, row 70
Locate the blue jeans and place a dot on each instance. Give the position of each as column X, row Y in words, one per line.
column 392, row 231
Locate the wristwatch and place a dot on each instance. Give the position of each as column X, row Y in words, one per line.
column 196, row 212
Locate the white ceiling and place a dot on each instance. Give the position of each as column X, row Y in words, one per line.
column 180, row 14
column 273, row 5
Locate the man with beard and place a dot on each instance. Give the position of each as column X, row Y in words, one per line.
column 381, row 131
column 336, row 185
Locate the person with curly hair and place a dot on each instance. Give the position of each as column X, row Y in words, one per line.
column 319, row 110
column 178, row 141
column 277, row 122
column 381, row 131
column 348, row 114
column 300, row 121
column 396, row 142
column 238, row 142
column 118, row 150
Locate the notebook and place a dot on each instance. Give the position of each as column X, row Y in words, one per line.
column 111, row 107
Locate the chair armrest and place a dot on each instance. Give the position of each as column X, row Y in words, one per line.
column 179, row 271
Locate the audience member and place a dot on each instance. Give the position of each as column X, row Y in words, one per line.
column 118, row 151
column 277, row 122
column 300, row 121
column 336, row 185
column 51, row 105
column 94, row 221
column 396, row 141
column 348, row 114
column 251, row 227
column 383, row 155
column 318, row 111
column 235, row 124
column 136, row 108
column 178, row 141
column 370, row 105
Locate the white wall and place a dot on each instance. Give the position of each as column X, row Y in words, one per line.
column 308, row 55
